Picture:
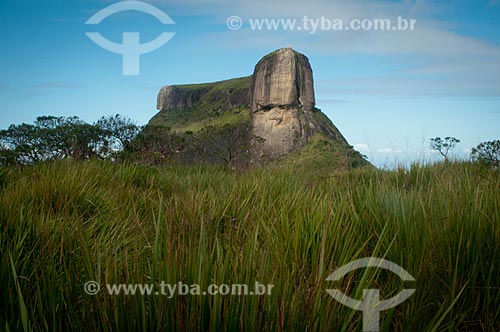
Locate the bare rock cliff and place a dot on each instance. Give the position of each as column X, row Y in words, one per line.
column 282, row 104
column 283, row 78
column 230, row 93
column 173, row 97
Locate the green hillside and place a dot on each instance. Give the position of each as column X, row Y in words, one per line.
column 214, row 118
column 214, row 109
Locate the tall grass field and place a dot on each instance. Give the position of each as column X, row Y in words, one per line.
column 66, row 223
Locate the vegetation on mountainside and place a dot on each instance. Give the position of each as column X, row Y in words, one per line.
column 214, row 109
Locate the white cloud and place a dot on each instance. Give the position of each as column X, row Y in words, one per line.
column 341, row 9
column 390, row 151
column 431, row 63
column 432, row 60
column 408, row 85
column 57, row 85
column 362, row 147
column 47, row 87
column 330, row 101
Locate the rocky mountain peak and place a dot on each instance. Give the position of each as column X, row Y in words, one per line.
column 283, row 78
column 282, row 103
column 275, row 106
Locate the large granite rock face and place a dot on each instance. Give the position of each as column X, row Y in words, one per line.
column 283, row 78
column 278, row 100
column 282, row 104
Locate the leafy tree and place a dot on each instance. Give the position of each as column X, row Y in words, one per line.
column 52, row 122
column 120, row 130
column 443, row 146
column 68, row 137
column 83, row 141
column 8, row 157
column 71, row 137
column 226, row 144
column 155, row 145
column 50, row 138
column 26, row 142
column 487, row 153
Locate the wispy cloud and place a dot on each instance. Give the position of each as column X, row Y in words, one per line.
column 390, row 151
column 449, row 63
column 5, row 87
column 57, row 85
column 403, row 85
column 362, row 147
column 67, row 19
column 324, row 101
column 342, row 9
column 48, row 87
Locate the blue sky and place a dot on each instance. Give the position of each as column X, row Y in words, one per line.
column 387, row 91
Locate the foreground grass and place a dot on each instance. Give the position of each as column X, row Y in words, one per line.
column 66, row 223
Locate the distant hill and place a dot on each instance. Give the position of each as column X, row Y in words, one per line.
column 268, row 118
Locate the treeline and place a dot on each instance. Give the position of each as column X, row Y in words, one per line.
column 117, row 137
column 52, row 137
column 487, row 153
